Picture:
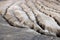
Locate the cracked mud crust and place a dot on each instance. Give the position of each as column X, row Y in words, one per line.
column 42, row 16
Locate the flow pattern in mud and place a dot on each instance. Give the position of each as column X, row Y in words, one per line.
column 43, row 16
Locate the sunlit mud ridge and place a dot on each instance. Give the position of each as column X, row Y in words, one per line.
column 43, row 16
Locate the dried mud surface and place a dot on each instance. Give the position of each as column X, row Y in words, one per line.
column 29, row 19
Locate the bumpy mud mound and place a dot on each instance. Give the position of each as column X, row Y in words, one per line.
column 42, row 16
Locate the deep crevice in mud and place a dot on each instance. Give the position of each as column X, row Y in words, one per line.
column 3, row 15
column 41, row 25
column 35, row 16
column 7, row 9
column 58, row 33
column 53, row 18
column 56, row 21
column 57, row 11
column 38, row 22
column 7, row 21
column 49, row 16
column 11, row 24
column 26, row 13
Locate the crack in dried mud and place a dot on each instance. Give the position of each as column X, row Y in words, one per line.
column 42, row 20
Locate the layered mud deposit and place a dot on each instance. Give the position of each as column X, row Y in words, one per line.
column 43, row 16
